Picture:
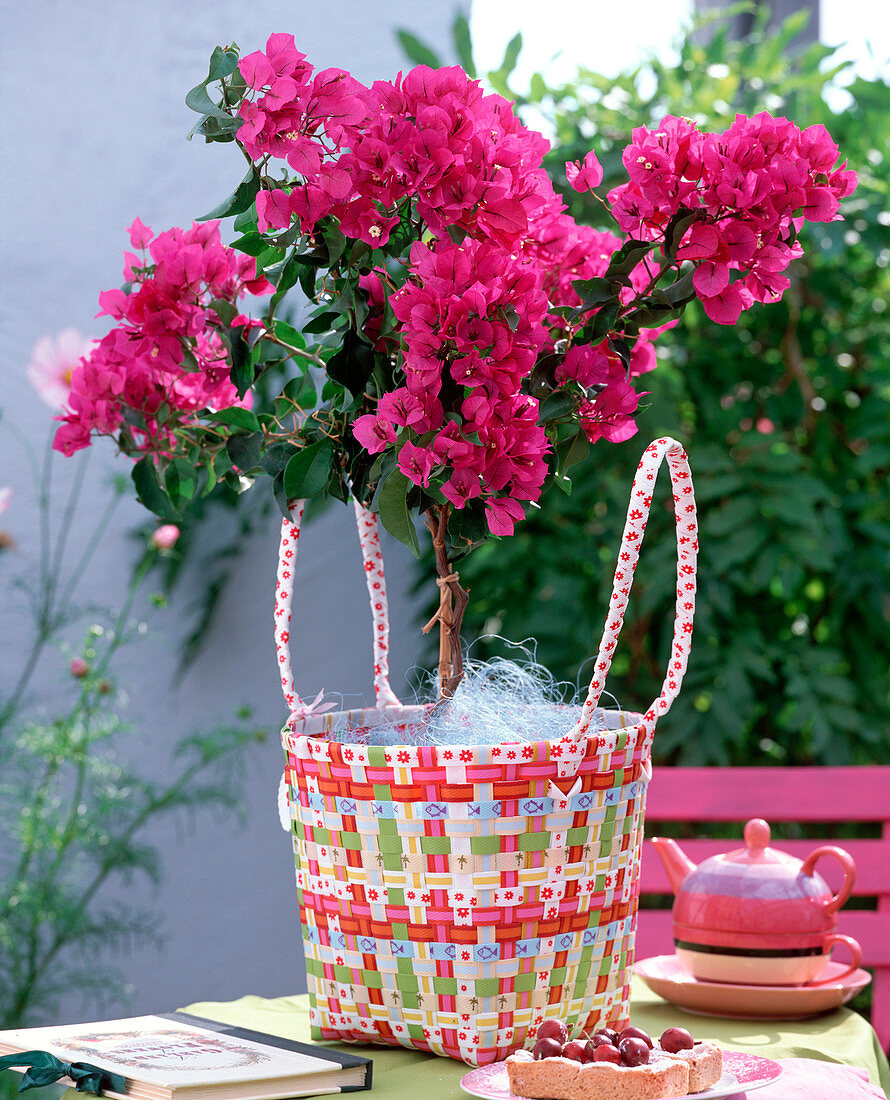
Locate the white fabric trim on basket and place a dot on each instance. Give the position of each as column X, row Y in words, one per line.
column 631, row 541
column 372, row 560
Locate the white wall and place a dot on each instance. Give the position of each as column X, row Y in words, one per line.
column 94, row 134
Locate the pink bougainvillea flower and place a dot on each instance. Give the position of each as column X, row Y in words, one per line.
column 140, row 234
column 502, row 514
column 586, row 175
column 165, row 537
column 52, row 364
column 416, row 463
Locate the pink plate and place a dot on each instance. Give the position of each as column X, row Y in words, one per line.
column 666, row 976
column 741, row 1073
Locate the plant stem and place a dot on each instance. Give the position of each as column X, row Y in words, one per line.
column 452, row 604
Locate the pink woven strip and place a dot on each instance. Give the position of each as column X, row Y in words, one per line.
column 373, row 561
column 687, row 553
column 284, row 591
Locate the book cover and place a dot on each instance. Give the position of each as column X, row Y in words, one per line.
column 176, row 1055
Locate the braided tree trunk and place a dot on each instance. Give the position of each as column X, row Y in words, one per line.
column 452, row 604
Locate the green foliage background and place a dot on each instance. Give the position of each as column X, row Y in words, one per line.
column 792, row 636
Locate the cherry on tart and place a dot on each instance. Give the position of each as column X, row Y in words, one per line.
column 634, row 1052
column 676, row 1039
column 553, row 1029
column 576, row 1050
column 605, row 1035
column 547, row 1048
column 635, row 1033
column 605, row 1052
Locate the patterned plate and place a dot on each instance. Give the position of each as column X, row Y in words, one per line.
column 742, row 1073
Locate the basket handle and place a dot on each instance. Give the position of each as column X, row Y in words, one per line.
column 631, row 541
column 284, row 590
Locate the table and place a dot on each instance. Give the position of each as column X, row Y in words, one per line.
column 842, row 1037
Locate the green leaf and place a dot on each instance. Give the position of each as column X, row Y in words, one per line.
column 593, row 292
column 288, row 277
column 336, row 242
column 463, row 43
column 224, row 309
column 600, row 325
column 198, row 100
column 351, row 366
column 289, row 334
column 557, row 405
column 511, row 56
column 252, row 244
column 627, row 257
column 149, row 490
column 307, row 473
column 242, row 374
column 241, row 198
column 223, row 62
column 245, row 449
column 392, row 506
column 237, row 418
column 417, row 51
column 180, row 481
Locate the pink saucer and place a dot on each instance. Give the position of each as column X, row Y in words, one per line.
column 666, row 976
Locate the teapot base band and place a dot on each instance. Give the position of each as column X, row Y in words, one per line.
column 749, row 952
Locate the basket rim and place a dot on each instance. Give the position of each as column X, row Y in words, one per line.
column 314, row 727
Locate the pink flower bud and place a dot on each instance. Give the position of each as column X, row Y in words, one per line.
column 765, row 426
column 78, row 667
column 166, row 536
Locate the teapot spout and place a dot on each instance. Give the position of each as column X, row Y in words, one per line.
column 677, row 864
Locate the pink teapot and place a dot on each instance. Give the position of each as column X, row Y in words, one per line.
column 757, row 916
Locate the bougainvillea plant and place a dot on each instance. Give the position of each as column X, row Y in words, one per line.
column 468, row 341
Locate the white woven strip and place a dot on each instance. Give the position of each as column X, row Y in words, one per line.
column 372, row 558
column 284, row 591
column 687, row 553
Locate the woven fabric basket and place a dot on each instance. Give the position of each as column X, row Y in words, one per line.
column 453, row 897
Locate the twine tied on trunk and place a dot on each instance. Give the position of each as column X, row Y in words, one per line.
column 452, row 604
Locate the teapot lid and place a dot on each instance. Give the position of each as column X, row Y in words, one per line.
column 757, row 849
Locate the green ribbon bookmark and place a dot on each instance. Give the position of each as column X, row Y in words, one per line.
column 44, row 1069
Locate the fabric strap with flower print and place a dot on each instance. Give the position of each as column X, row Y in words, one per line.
column 631, row 541
column 284, row 590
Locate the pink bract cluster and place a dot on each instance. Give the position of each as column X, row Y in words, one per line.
column 140, row 367
column 750, row 186
column 473, row 315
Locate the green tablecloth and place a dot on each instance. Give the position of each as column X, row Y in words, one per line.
column 842, row 1036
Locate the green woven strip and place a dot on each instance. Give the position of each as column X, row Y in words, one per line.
column 558, row 975
column 485, row 845
column 435, row 845
column 351, row 841
column 534, row 842
column 399, row 931
column 524, row 983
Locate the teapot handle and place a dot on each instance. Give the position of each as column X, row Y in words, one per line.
column 846, row 861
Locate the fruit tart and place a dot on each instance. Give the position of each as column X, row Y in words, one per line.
column 612, row 1065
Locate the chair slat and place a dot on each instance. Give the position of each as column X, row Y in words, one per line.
column 785, row 794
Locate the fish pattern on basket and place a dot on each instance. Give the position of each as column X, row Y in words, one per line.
column 453, row 897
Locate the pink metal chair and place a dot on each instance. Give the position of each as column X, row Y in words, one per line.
column 823, row 795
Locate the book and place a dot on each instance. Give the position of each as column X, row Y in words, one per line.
column 176, row 1056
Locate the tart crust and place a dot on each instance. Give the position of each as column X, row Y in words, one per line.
column 681, row 1074
column 705, row 1062
column 564, row 1079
